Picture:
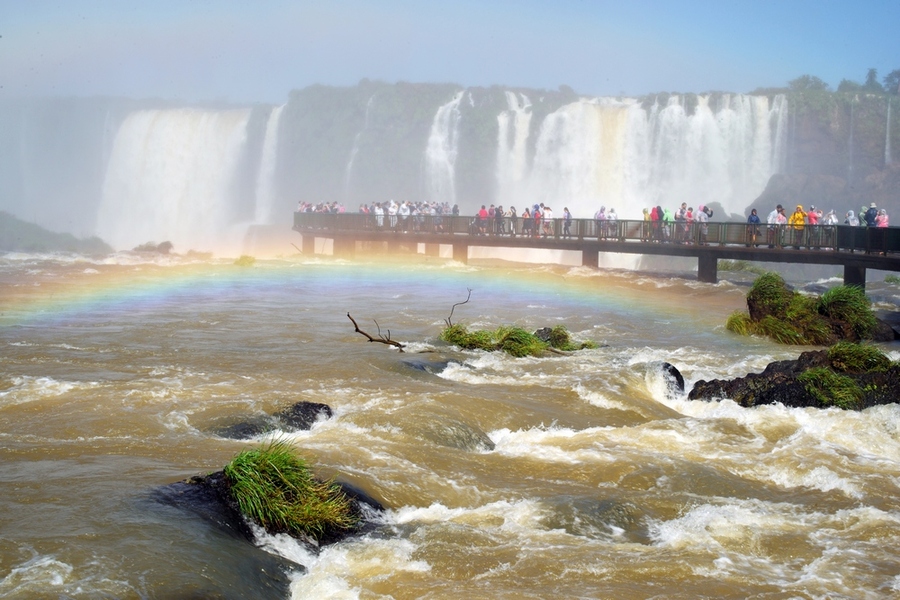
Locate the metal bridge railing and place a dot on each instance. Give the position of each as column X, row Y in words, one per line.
column 819, row 237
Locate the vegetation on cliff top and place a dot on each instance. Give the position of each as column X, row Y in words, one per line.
column 788, row 317
column 19, row 236
column 274, row 487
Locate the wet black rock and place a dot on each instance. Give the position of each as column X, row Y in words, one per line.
column 303, row 415
column 298, row 417
column 208, row 497
column 672, row 376
column 779, row 383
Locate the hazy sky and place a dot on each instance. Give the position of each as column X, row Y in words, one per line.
column 258, row 50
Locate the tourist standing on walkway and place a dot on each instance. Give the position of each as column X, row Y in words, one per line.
column 567, row 222
column 812, row 234
column 797, row 221
column 871, row 215
column 702, row 219
column 752, row 228
column 772, row 221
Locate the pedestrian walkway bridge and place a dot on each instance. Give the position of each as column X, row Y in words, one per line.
column 855, row 248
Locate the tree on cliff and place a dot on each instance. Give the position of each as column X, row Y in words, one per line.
column 892, row 82
column 871, row 84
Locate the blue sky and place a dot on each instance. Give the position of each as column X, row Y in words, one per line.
column 257, row 51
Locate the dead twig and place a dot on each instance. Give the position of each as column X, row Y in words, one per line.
column 448, row 320
column 381, row 337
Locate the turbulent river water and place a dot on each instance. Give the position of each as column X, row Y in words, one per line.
column 115, row 375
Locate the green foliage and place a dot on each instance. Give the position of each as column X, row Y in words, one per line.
column 849, row 357
column 792, row 318
column 770, row 292
column 515, row 341
column 891, row 82
column 739, row 322
column 245, row 261
column 780, row 331
column 274, row 487
column 740, row 266
column 801, row 313
column 893, row 279
column 831, row 389
column 19, row 236
column 849, row 303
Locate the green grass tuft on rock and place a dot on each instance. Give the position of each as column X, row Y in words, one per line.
column 515, row 341
column 848, row 303
column 274, row 487
column 831, row 389
column 849, row 357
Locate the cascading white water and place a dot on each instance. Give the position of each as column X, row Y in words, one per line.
column 440, row 153
column 265, row 181
column 887, row 135
column 171, row 177
column 355, row 149
column 612, row 152
column 513, row 129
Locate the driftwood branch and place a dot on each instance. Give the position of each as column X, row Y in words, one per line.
column 382, row 339
column 449, row 319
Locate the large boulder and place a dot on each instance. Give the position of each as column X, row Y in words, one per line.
column 818, row 379
column 297, row 417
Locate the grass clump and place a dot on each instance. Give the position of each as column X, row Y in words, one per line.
column 849, row 357
column 848, row 303
column 515, row 341
column 245, row 261
column 740, row 266
column 789, row 317
column 894, row 279
column 273, row 486
column 739, row 322
column 769, row 295
column 831, row 389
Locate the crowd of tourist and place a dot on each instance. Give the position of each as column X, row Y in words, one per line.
column 661, row 225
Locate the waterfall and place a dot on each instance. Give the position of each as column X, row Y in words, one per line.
column 170, row 178
column 355, row 149
column 440, row 153
column 616, row 153
column 514, row 127
column 887, row 135
column 265, row 181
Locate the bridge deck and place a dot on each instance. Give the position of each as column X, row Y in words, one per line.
column 854, row 248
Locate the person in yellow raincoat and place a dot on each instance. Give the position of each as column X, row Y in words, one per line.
column 797, row 221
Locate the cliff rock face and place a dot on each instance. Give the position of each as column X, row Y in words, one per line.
column 843, row 152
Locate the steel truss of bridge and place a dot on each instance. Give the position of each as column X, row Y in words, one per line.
column 855, row 248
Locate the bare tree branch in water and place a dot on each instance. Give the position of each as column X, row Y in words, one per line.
column 381, row 337
column 449, row 319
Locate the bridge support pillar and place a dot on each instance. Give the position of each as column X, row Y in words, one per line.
column 461, row 252
column 855, row 276
column 590, row 257
column 707, row 268
column 308, row 245
column 432, row 249
column 345, row 247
